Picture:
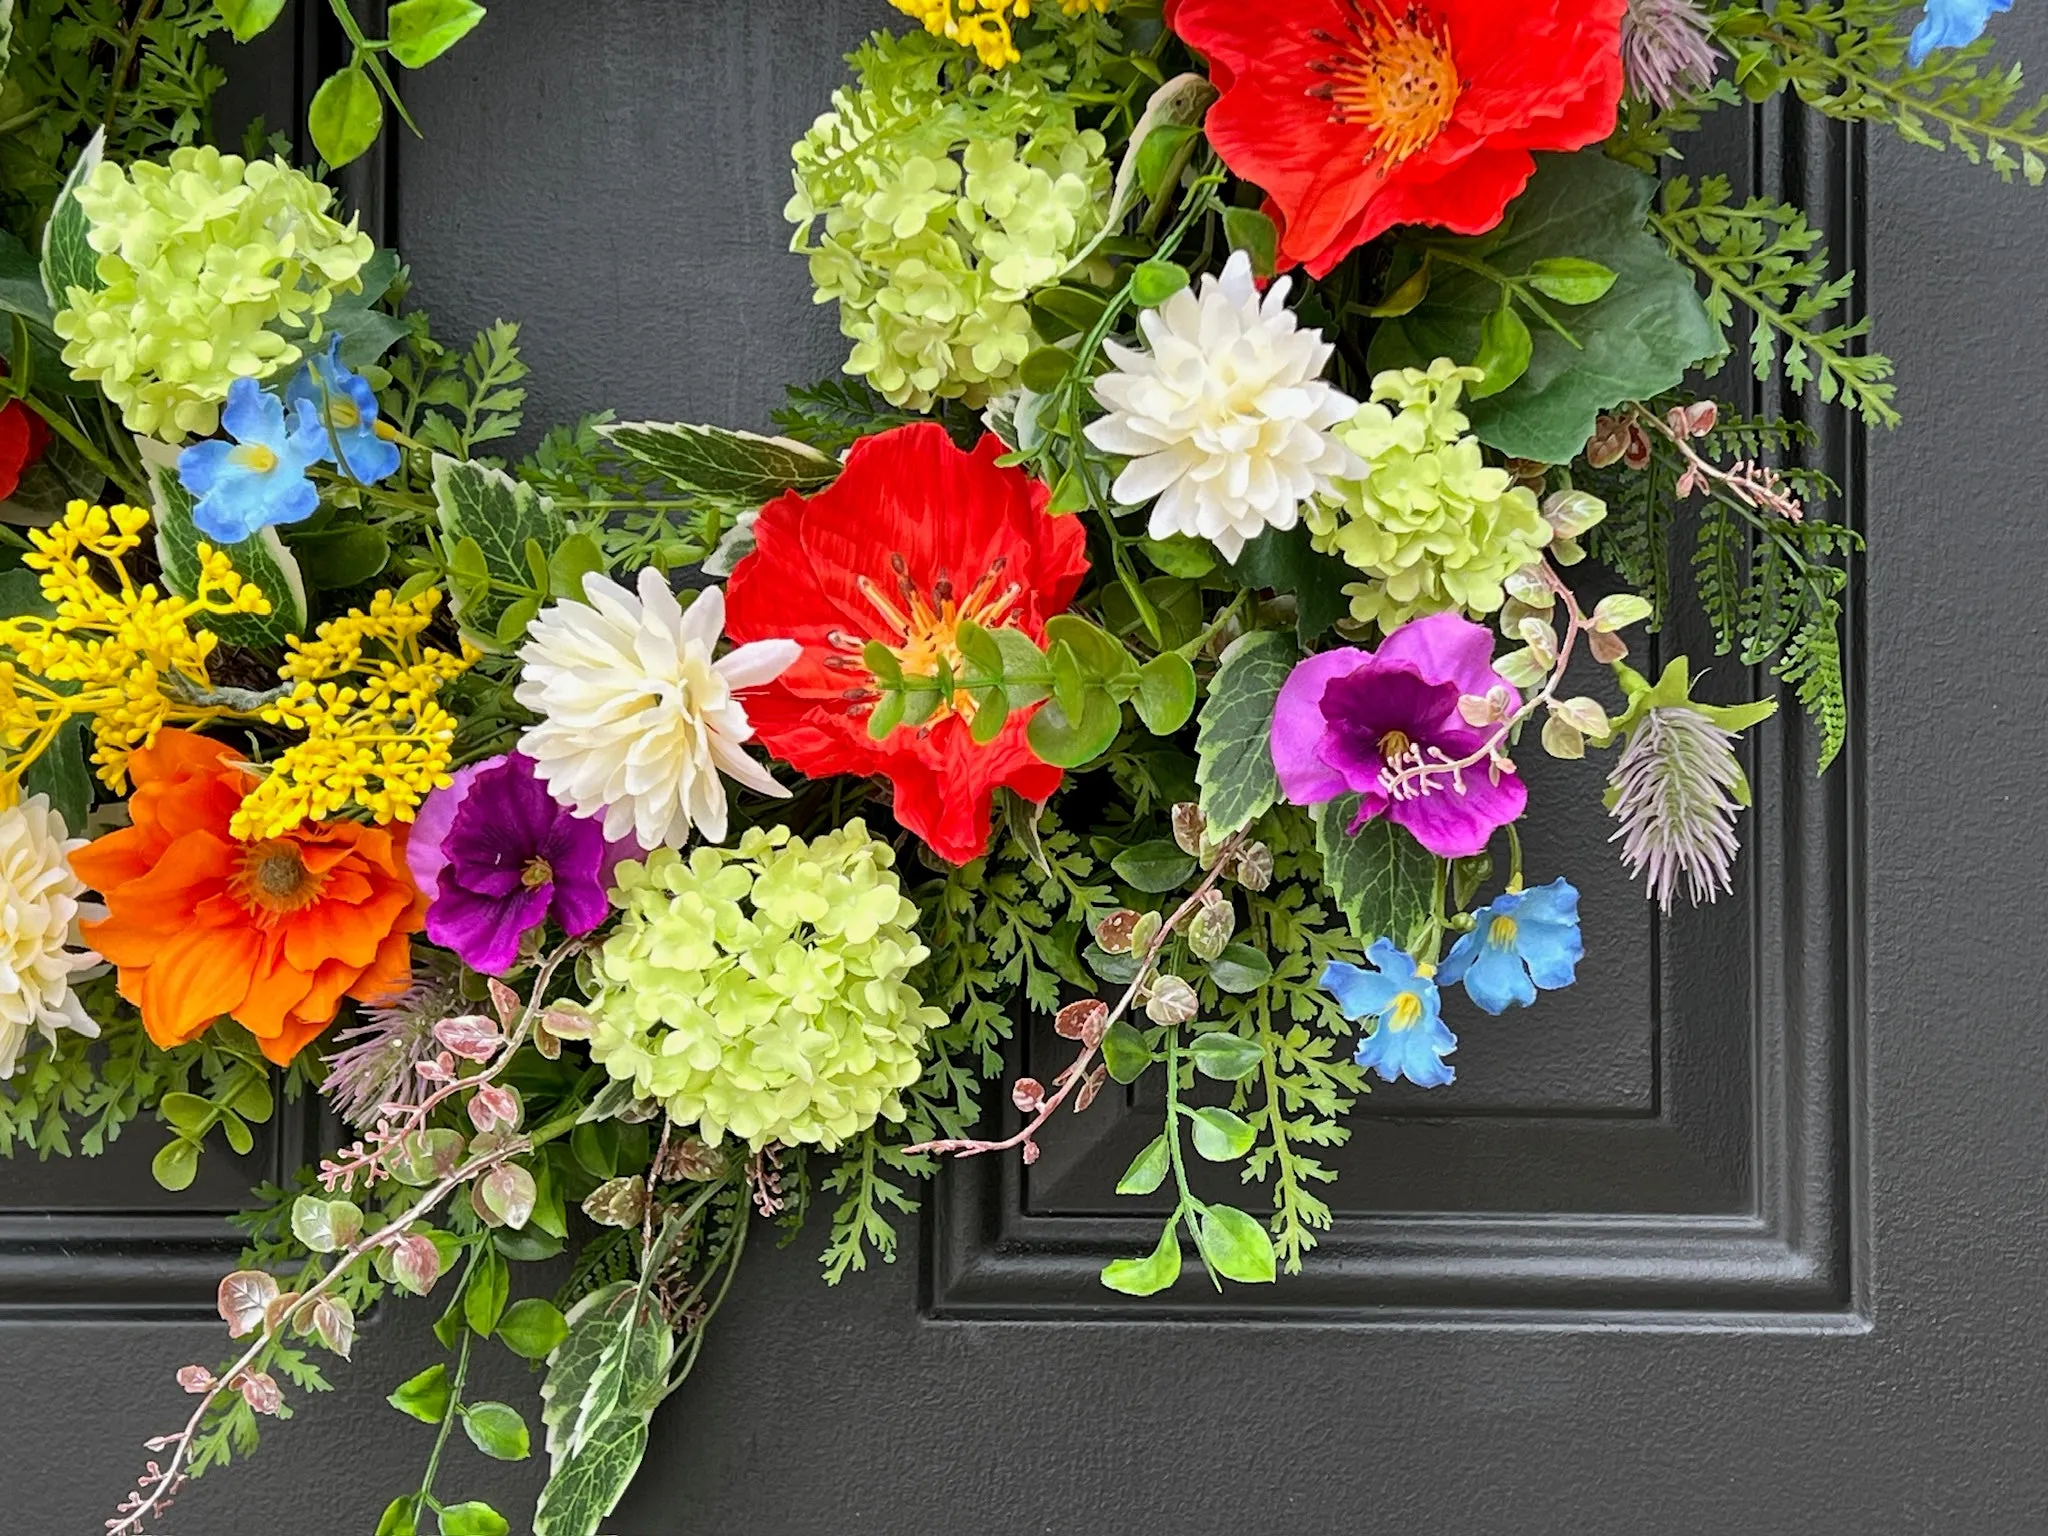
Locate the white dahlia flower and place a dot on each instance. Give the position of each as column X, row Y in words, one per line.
column 1227, row 419
column 638, row 719
column 39, row 914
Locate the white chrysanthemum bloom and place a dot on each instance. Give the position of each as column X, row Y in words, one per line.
column 39, row 914
column 638, row 720
column 1227, row 419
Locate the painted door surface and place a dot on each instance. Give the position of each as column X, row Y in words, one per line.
column 1745, row 1234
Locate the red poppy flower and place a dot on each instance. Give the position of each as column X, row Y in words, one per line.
column 914, row 537
column 1357, row 115
column 23, row 437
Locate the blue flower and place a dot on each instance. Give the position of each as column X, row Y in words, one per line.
column 340, row 409
column 1952, row 24
column 1523, row 941
column 259, row 479
column 1410, row 1039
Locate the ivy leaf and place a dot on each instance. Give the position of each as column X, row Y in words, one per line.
column 1237, row 1246
column 587, row 1487
column 1150, row 1275
column 1233, row 753
column 1634, row 343
column 499, row 514
column 260, row 559
column 1382, row 879
column 739, row 466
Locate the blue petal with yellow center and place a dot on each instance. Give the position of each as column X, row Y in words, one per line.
column 256, row 481
column 1410, row 1039
column 1521, row 942
column 341, row 409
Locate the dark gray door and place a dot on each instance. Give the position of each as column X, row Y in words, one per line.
column 1743, row 1235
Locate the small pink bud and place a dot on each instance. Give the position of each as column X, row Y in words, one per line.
column 1030, row 1153
column 260, row 1391
column 196, row 1378
column 494, row 1106
column 1027, row 1094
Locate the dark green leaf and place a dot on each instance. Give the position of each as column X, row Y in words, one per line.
column 497, row 1430
column 1147, row 1171
column 1234, row 758
column 713, row 461
column 346, row 116
column 1240, row 969
column 1287, row 562
column 1166, row 693
column 350, row 555
column 1250, row 231
column 1150, row 1275
column 1237, row 1246
column 261, row 559
column 1124, row 1052
column 1161, row 157
column 425, row 1397
column 1381, row 878
column 1634, row 344
column 1226, row 1057
column 61, row 773
column 422, row 30
column 1045, row 369
column 1221, row 1136
column 1154, row 867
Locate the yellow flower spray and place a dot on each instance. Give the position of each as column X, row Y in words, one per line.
column 983, row 25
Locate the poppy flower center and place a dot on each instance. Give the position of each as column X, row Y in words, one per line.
column 273, row 880
column 1393, row 76
column 1500, row 933
column 1405, row 1013
column 253, row 456
column 922, row 629
column 538, row 872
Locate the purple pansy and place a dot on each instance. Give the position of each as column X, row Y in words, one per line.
column 496, row 857
column 1348, row 720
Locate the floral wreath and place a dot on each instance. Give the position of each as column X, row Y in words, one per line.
column 667, row 828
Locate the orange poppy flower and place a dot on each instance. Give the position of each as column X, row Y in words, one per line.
column 273, row 933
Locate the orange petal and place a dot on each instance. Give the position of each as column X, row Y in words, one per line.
column 274, row 992
column 192, row 982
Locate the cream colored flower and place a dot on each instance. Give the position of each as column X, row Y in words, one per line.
column 39, row 913
column 1226, row 419
column 638, row 719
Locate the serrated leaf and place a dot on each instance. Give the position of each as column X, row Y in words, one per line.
column 479, row 503
column 1150, row 1275
column 713, row 461
column 1147, row 1171
column 1381, row 878
column 1233, row 747
column 587, row 1487
column 1237, row 1246
column 591, row 1374
column 1220, row 1136
column 1634, row 344
column 261, row 559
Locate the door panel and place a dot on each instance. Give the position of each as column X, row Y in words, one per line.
column 1741, row 1234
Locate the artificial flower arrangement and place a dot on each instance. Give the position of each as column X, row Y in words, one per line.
column 666, row 830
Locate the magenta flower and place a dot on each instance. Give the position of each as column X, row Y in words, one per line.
column 1384, row 725
column 497, row 857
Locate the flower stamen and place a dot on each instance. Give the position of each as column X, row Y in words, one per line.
column 923, row 634
column 1393, row 76
column 272, row 881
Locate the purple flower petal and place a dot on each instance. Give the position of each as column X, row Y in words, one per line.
column 1299, row 727
column 1456, row 824
column 1447, row 647
column 485, row 932
column 425, row 851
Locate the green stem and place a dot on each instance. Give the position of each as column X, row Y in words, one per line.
column 425, row 1498
column 60, row 424
column 1187, row 1208
column 1512, row 285
column 1514, row 861
column 1194, row 647
column 21, row 120
column 129, row 45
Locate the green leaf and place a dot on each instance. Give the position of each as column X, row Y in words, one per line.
column 422, row 30
column 350, row 555
column 497, row 1430
column 1382, row 879
column 475, row 1518
column 1221, row 1136
column 69, row 261
column 1152, row 284
column 1240, row 969
column 1250, row 231
column 1124, row 1052
column 1154, row 867
column 1166, row 693
column 425, row 1397
column 1147, row 1171
column 187, row 1112
column 1233, row 752
column 1634, row 344
column 1287, row 562
column 1181, row 556
column 712, row 461
column 587, row 1486
column 1066, row 743
column 477, row 502
column 21, row 287
column 1224, row 1056
column 248, row 18
column 1161, row 157
column 483, row 1299
column 325, row 1226
column 240, row 1139
column 1150, row 1275
column 533, row 1328
column 1045, row 369
column 578, row 556
column 61, row 773
column 1504, row 349
column 401, row 1517
column 1569, row 280
column 608, row 1358
column 1237, row 1246
column 346, row 116
column 261, row 559
column 176, row 1164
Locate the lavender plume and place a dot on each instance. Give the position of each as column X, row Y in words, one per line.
column 1675, row 796
column 1666, row 52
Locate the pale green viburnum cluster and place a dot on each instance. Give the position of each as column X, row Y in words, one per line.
column 760, row 993
column 1432, row 524
column 931, row 212
column 214, row 268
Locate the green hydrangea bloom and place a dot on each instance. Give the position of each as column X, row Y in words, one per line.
column 932, row 201
column 214, row 267
column 1432, row 524
column 760, row 992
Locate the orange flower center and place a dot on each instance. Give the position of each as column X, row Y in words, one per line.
column 922, row 630
column 1393, row 76
column 273, row 881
